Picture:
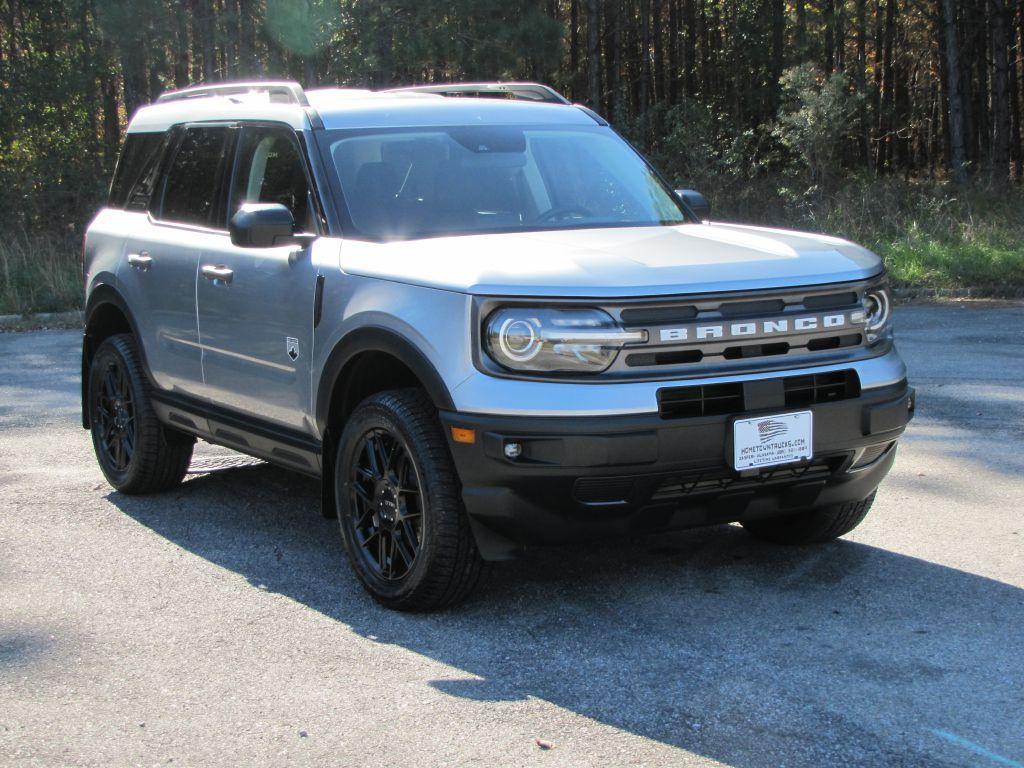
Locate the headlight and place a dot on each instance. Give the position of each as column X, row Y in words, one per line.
column 877, row 314
column 555, row 340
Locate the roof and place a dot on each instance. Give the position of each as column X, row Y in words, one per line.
column 513, row 90
column 345, row 108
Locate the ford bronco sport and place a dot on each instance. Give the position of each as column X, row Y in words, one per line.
column 484, row 323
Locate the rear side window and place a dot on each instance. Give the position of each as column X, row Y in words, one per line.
column 136, row 169
column 190, row 192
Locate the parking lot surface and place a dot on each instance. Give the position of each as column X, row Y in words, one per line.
column 219, row 624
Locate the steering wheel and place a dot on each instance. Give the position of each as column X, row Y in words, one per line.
column 561, row 214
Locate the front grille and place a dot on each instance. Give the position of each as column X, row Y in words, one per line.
column 692, row 336
column 730, row 397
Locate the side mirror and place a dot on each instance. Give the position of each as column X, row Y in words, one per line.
column 696, row 202
column 265, row 225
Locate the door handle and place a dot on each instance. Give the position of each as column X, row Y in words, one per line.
column 217, row 273
column 141, row 260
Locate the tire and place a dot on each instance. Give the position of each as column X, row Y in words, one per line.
column 136, row 452
column 399, row 505
column 813, row 526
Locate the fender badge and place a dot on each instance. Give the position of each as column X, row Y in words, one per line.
column 292, row 347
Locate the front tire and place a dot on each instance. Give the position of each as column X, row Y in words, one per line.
column 136, row 453
column 813, row 526
column 399, row 506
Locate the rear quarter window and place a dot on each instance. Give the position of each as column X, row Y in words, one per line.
column 135, row 170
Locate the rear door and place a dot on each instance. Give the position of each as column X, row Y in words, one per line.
column 158, row 273
column 255, row 305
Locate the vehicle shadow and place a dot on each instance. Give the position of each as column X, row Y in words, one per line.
column 706, row 640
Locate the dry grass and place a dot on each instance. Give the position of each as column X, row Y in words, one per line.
column 39, row 274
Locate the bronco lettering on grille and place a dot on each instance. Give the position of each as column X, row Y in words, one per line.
column 761, row 328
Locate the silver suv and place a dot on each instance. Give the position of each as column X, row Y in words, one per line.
column 484, row 323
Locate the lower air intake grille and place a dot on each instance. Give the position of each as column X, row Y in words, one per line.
column 816, row 388
column 870, row 455
column 603, row 490
column 706, row 400
column 714, row 481
column 728, row 398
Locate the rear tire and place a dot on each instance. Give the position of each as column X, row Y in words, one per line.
column 399, row 505
column 136, row 452
column 813, row 526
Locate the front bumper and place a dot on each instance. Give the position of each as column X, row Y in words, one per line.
column 603, row 476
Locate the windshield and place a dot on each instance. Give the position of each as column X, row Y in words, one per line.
column 412, row 183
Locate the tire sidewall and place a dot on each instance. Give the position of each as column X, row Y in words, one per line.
column 118, row 349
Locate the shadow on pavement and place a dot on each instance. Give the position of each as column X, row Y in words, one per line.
column 706, row 640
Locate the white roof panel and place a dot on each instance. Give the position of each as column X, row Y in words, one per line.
column 352, row 108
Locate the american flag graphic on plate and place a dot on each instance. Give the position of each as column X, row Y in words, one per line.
column 769, row 429
column 767, row 441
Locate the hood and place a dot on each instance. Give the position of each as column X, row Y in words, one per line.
column 628, row 261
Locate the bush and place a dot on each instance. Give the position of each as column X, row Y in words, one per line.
column 816, row 121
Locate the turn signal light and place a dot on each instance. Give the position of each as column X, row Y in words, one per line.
column 460, row 435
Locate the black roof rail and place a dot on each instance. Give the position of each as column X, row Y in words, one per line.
column 518, row 91
column 284, row 91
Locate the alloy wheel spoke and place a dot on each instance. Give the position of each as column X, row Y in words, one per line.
column 382, row 554
column 371, row 455
column 407, row 552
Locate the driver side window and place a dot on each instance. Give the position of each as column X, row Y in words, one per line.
column 270, row 170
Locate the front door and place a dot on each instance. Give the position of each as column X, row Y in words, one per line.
column 255, row 305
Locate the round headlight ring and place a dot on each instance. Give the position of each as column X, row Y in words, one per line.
column 876, row 309
column 518, row 339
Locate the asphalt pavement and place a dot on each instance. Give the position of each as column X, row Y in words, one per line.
column 220, row 625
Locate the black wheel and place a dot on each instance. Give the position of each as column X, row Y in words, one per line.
column 136, row 452
column 398, row 498
column 813, row 526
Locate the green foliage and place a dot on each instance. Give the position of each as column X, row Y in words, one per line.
column 816, row 121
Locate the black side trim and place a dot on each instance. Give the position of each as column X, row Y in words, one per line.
column 318, row 300
column 279, row 445
column 378, row 339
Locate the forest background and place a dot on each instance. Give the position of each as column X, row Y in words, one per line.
column 895, row 123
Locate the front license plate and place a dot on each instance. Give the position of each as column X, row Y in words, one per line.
column 770, row 440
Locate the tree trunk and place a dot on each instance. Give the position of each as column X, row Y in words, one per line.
column 181, row 52
column 645, row 54
column 574, row 49
column 860, row 81
column 660, row 89
column 1000, row 91
column 203, row 28
column 690, row 19
column 133, row 77
column 1016, row 150
column 801, row 30
column 830, row 35
column 593, row 55
column 958, row 154
column 777, row 62
column 111, row 118
column 673, row 51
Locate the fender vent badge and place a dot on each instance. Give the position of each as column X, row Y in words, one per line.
column 292, row 347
